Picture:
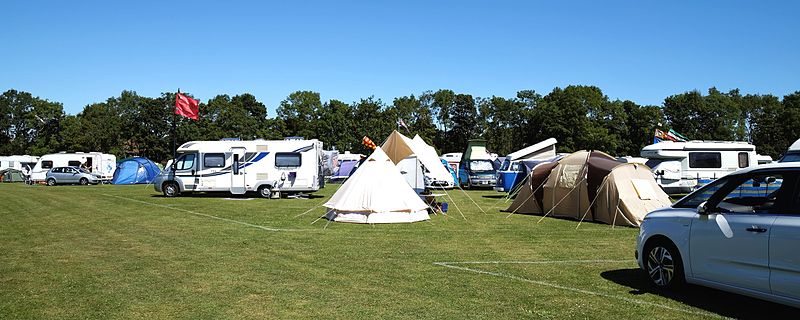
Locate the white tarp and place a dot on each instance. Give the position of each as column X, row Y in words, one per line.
column 376, row 193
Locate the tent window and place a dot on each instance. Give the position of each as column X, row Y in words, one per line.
column 47, row 164
column 287, row 159
column 569, row 175
column 705, row 160
column 744, row 159
column 74, row 163
column 214, row 160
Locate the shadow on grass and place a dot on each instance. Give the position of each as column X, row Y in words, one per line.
column 716, row 301
column 226, row 195
column 494, row 196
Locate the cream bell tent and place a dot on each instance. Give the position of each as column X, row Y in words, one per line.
column 376, row 193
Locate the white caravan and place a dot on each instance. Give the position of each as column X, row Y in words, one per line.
column 24, row 163
column 681, row 167
column 101, row 165
column 266, row 166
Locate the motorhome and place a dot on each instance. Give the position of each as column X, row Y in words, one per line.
column 24, row 163
column 269, row 167
column 681, row 167
column 793, row 154
column 509, row 173
column 99, row 164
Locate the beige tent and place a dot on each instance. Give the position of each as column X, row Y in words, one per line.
column 376, row 193
column 566, row 193
column 399, row 147
column 626, row 195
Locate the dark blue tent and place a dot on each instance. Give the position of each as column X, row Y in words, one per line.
column 135, row 170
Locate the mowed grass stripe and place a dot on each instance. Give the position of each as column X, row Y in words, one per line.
column 72, row 252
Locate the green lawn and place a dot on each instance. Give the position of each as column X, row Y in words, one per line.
column 125, row 252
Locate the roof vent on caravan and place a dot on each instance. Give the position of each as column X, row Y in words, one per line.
column 289, row 138
column 230, row 139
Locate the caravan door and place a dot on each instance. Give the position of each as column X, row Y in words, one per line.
column 237, row 171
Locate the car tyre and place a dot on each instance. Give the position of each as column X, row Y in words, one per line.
column 83, row 181
column 663, row 264
column 264, row 192
column 171, row 189
column 51, row 182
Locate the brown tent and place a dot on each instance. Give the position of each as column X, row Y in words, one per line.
column 566, row 192
column 529, row 198
column 626, row 194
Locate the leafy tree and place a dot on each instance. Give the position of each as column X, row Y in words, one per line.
column 463, row 116
column 299, row 113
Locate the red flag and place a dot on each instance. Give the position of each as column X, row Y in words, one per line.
column 187, row 107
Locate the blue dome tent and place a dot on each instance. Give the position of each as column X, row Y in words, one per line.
column 135, row 170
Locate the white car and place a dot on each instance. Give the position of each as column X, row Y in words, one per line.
column 740, row 233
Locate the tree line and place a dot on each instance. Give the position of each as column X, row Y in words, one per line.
column 580, row 117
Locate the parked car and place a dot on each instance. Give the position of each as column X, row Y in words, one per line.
column 70, row 175
column 739, row 233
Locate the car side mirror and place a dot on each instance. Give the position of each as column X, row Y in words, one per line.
column 702, row 209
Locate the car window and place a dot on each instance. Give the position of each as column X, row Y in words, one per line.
column 703, row 194
column 758, row 194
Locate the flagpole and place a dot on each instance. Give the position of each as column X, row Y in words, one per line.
column 174, row 129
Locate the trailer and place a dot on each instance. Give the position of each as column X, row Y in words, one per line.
column 101, row 165
column 269, row 167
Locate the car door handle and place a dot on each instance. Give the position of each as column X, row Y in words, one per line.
column 756, row 229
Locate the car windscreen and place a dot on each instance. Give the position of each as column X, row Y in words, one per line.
column 480, row 165
column 652, row 163
column 791, row 157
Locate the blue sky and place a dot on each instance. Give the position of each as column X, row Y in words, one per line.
column 83, row 52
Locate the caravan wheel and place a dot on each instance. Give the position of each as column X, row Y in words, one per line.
column 264, row 192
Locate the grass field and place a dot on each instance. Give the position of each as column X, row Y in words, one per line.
column 126, row 252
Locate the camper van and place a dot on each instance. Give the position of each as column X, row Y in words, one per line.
column 269, row 167
column 101, row 165
column 681, row 167
column 24, row 163
column 511, row 168
column 477, row 168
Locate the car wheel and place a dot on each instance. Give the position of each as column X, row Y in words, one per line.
column 171, row 189
column 663, row 264
column 83, row 181
column 264, row 192
column 51, row 182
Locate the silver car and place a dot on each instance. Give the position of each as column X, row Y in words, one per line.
column 70, row 175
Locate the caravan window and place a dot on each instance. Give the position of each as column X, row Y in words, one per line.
column 287, row 159
column 214, row 160
column 74, row 163
column 47, row 164
column 705, row 160
column 744, row 160
column 185, row 162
